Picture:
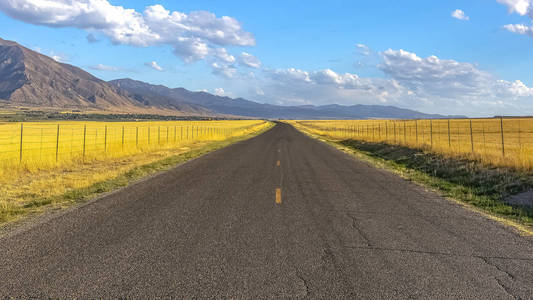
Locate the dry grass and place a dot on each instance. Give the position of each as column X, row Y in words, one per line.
column 26, row 188
column 497, row 142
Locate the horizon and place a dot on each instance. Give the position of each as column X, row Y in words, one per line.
column 467, row 59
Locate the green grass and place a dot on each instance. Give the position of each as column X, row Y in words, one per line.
column 39, row 204
column 464, row 180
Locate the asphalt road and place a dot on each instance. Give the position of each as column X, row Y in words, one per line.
column 211, row 228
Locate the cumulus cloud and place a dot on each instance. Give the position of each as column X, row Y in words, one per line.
column 224, row 70
column 363, row 49
column 249, row 60
column 443, row 78
column 429, row 84
column 153, row 65
column 460, row 15
column 219, row 92
column 521, row 7
column 102, row 67
column 193, row 36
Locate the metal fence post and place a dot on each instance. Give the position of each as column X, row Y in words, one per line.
column 137, row 137
column 503, row 141
column 57, row 143
column 416, row 131
column 471, row 136
column 84, row 140
column 431, row 133
column 21, row 135
column 105, row 140
column 405, row 132
column 122, row 138
column 449, row 135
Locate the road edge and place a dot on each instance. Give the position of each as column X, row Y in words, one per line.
column 520, row 229
column 50, row 212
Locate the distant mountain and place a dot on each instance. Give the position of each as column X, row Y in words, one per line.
column 30, row 79
column 242, row 107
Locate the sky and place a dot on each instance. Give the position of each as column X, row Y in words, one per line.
column 470, row 57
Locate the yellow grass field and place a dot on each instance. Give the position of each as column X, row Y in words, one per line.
column 45, row 168
column 499, row 142
column 37, row 146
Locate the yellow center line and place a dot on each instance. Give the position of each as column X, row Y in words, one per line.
column 278, row 163
column 278, row 196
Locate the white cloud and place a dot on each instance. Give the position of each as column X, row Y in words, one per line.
column 429, row 84
column 460, row 15
column 219, row 92
column 193, row 36
column 57, row 58
column 520, row 29
column 223, row 70
column 154, row 65
column 521, row 7
column 222, row 54
column 102, row 67
column 249, row 60
column 363, row 49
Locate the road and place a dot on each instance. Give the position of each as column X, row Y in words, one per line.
column 237, row 224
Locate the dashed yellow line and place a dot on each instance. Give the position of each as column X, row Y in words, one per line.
column 278, row 196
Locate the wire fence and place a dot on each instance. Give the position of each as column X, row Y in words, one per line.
column 36, row 144
column 497, row 141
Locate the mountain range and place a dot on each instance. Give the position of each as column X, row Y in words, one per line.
column 32, row 80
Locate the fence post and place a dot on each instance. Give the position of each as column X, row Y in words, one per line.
column 431, row 133
column 159, row 135
column 395, row 139
column 57, row 143
column 149, row 129
column 449, row 135
column 519, row 135
column 84, row 139
column 503, row 141
column 175, row 131
column 471, row 136
column 137, row 137
column 105, row 140
column 386, row 132
column 123, row 138
column 416, row 131
column 404, row 132
column 167, row 135
column 21, row 134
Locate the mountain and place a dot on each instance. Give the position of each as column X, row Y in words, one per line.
column 243, row 107
column 30, row 79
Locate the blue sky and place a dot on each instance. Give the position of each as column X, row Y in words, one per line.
column 412, row 54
